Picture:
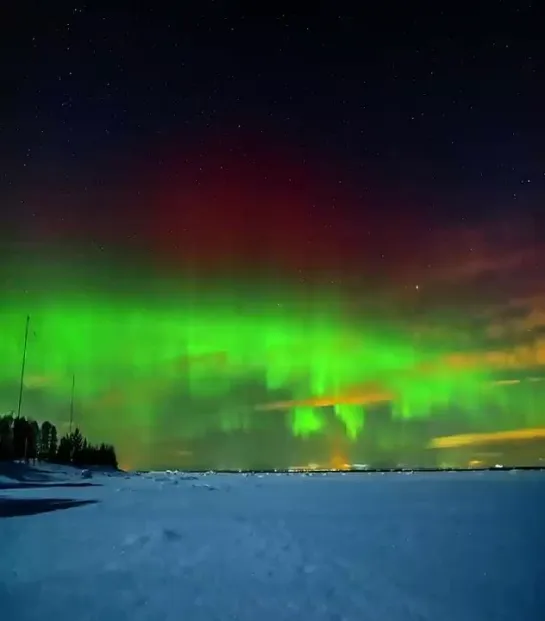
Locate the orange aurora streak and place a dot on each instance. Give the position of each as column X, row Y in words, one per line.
column 481, row 439
column 370, row 394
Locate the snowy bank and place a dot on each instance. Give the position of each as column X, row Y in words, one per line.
column 326, row 547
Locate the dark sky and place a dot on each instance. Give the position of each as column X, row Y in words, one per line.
column 429, row 104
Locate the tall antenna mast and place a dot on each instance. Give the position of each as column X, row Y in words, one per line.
column 72, row 401
column 23, row 364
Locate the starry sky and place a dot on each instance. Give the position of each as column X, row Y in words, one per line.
column 392, row 146
column 425, row 108
column 409, row 137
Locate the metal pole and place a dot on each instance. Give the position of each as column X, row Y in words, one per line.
column 72, row 402
column 23, row 364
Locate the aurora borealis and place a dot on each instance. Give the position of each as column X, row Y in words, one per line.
column 160, row 352
column 248, row 262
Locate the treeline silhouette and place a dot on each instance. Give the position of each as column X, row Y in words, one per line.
column 24, row 439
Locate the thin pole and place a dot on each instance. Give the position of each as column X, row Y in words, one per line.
column 23, row 364
column 72, row 402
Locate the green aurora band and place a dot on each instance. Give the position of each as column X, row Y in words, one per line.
column 210, row 356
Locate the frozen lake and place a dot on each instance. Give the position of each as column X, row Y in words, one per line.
column 354, row 547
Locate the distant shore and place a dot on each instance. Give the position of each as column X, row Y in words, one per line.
column 339, row 471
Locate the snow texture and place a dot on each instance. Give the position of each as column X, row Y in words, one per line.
column 357, row 547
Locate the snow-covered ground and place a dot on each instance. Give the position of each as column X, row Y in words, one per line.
column 361, row 547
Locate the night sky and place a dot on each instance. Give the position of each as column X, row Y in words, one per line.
column 390, row 155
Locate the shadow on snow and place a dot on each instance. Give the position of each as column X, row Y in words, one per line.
column 14, row 507
column 31, row 485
